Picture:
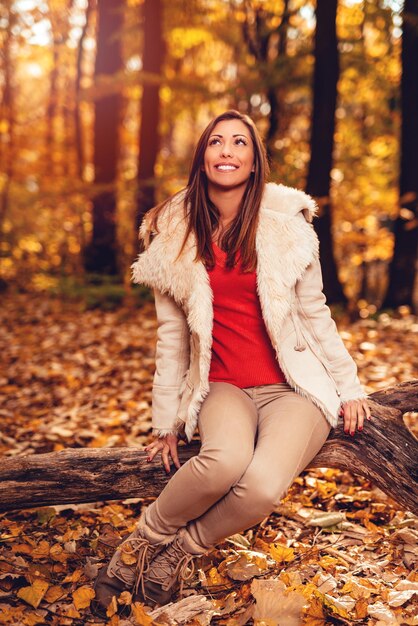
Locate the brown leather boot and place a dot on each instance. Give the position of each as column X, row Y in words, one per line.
column 126, row 567
column 168, row 570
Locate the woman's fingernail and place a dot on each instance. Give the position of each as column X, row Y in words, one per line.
column 346, row 431
column 352, row 433
column 360, row 427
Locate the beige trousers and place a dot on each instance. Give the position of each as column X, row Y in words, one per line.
column 255, row 441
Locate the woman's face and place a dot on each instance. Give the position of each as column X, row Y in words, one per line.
column 229, row 156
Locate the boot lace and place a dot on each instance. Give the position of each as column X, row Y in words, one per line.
column 174, row 563
column 129, row 573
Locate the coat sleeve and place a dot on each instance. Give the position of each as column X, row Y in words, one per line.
column 316, row 317
column 171, row 364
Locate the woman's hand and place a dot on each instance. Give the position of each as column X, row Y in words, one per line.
column 354, row 412
column 166, row 445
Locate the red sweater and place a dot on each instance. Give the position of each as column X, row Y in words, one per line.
column 242, row 353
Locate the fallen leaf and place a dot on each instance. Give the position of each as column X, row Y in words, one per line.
column 325, row 520
column 141, row 617
column 281, row 554
column 245, row 565
column 314, row 615
column 34, row 593
column 274, row 606
column 214, row 578
column 125, row 598
column 82, row 597
column 403, row 591
column 339, row 606
column 54, row 592
column 381, row 612
column 112, row 608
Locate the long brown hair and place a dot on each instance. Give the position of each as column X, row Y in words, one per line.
column 203, row 216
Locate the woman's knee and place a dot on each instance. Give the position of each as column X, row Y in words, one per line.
column 261, row 494
column 219, row 469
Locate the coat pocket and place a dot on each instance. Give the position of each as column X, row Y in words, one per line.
column 314, row 346
column 184, row 382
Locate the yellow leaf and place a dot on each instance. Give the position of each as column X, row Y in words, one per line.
column 112, row 608
column 281, row 553
column 361, row 608
column 355, row 590
column 128, row 558
column 315, row 614
column 74, row 577
column 54, row 593
column 259, row 544
column 290, row 579
column 125, row 598
column 213, row 577
column 34, row 593
column 328, row 563
column 31, row 619
column 337, row 610
column 83, row 596
column 141, row 618
column 370, row 526
column 72, row 611
column 57, row 553
column 41, row 551
column 307, row 590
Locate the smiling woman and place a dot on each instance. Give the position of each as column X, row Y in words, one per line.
column 246, row 351
column 228, row 164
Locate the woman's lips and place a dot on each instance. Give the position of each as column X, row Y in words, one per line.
column 223, row 167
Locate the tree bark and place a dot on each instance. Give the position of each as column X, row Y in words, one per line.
column 51, row 113
column 260, row 39
column 149, row 138
column 78, row 128
column 7, row 114
column 325, row 81
column 385, row 452
column 100, row 254
column 402, row 269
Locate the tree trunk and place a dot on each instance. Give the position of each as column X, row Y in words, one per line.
column 402, row 269
column 51, row 115
column 149, row 139
column 101, row 254
column 385, row 453
column 79, row 140
column 325, row 81
column 7, row 115
column 276, row 94
column 268, row 46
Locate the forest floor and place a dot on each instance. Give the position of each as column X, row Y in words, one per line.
column 336, row 551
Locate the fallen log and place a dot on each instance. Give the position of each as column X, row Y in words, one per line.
column 385, row 452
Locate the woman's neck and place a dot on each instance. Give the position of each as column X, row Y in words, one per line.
column 227, row 202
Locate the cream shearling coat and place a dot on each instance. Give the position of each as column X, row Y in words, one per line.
column 309, row 349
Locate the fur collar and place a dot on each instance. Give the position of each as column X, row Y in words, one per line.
column 286, row 244
column 283, row 239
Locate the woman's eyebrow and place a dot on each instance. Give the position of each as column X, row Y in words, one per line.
column 237, row 135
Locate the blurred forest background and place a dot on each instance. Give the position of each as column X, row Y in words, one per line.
column 102, row 102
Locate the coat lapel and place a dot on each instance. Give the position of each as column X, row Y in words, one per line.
column 286, row 244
